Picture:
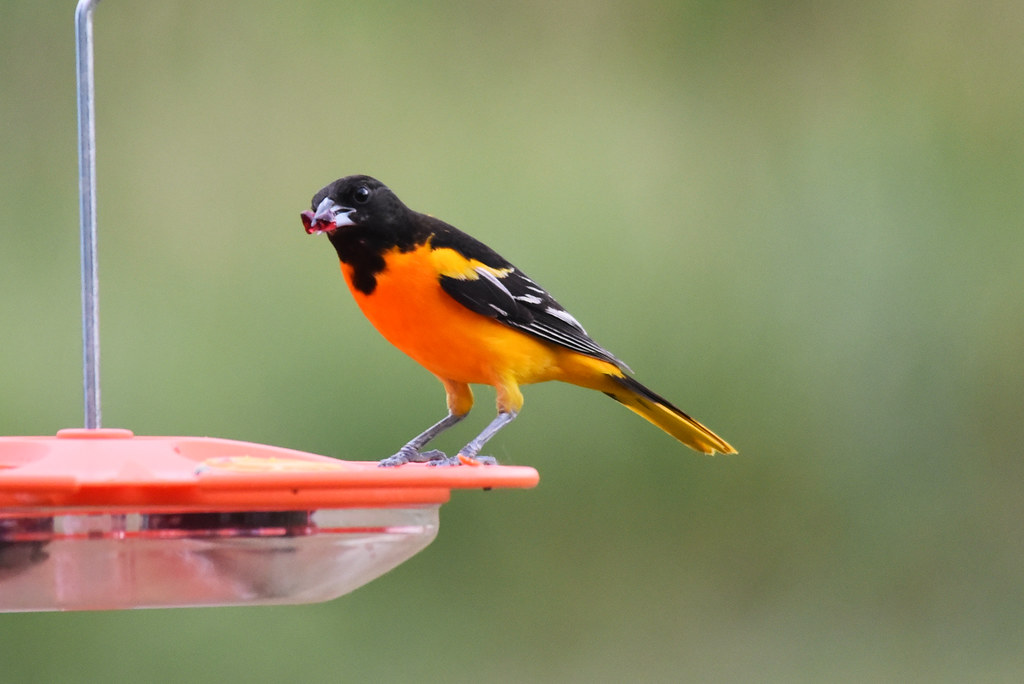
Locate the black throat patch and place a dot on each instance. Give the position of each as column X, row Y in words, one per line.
column 359, row 252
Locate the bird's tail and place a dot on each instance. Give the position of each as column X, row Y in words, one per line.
column 662, row 413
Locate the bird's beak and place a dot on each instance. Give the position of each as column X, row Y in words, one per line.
column 327, row 218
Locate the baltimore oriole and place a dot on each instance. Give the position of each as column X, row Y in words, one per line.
column 469, row 317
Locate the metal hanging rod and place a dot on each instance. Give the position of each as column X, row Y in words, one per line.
column 87, row 212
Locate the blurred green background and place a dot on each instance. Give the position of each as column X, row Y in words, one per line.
column 800, row 221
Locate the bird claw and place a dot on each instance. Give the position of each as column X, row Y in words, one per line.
column 434, row 458
column 406, row 455
column 477, row 460
column 460, row 460
column 444, row 461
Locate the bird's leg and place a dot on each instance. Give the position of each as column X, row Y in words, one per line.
column 460, row 401
column 510, row 401
column 471, row 450
column 410, row 453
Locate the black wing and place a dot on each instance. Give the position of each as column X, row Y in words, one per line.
column 503, row 292
column 515, row 300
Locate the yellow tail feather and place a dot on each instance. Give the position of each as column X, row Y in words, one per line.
column 662, row 413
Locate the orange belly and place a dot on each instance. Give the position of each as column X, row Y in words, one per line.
column 409, row 308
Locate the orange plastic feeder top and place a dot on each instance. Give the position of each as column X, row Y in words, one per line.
column 113, row 468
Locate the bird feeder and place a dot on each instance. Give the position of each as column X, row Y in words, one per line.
column 97, row 518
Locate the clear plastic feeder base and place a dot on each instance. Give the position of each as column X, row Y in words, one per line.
column 68, row 561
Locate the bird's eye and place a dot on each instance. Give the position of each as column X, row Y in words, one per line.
column 361, row 194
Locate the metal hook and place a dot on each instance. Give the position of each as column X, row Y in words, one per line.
column 87, row 212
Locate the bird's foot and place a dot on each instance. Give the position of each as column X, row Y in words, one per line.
column 434, row 458
column 460, row 460
column 410, row 455
column 475, row 460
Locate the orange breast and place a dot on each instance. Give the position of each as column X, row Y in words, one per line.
column 409, row 308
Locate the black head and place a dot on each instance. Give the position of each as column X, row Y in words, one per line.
column 352, row 201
